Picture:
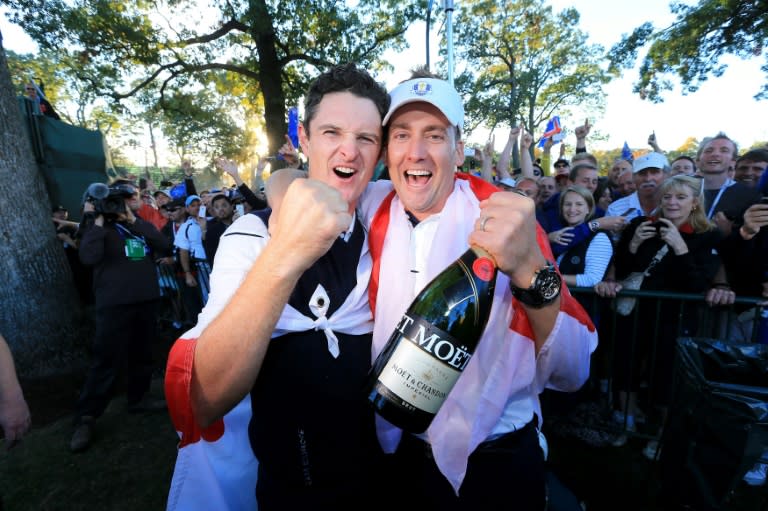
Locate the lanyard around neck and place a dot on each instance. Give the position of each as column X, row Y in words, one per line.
column 728, row 182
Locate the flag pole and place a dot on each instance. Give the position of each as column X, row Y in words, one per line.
column 429, row 15
column 448, row 6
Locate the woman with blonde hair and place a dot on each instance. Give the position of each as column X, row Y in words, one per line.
column 681, row 238
column 583, row 264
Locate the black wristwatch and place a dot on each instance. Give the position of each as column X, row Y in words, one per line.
column 545, row 287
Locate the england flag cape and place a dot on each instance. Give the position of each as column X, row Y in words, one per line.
column 215, row 466
column 499, row 388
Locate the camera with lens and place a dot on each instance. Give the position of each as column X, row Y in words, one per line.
column 108, row 201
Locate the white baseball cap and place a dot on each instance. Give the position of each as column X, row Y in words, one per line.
column 436, row 92
column 649, row 161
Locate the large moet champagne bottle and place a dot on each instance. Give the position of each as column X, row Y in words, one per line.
column 433, row 343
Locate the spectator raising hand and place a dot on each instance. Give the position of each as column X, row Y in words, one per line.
column 583, row 130
column 186, row 167
column 526, row 139
column 289, row 153
column 581, row 136
column 486, row 158
column 502, row 167
column 526, row 161
column 230, row 168
column 488, row 147
column 652, row 142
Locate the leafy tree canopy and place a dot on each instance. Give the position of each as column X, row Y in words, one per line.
column 262, row 53
column 527, row 63
column 693, row 46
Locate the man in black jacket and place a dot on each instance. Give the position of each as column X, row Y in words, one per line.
column 122, row 249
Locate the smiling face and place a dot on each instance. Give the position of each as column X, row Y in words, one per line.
column 574, row 208
column 749, row 172
column 717, row 156
column 161, row 200
column 422, row 156
column 343, row 143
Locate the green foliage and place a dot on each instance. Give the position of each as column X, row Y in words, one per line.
column 261, row 54
column 527, row 63
column 692, row 47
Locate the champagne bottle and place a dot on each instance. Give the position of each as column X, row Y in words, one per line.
column 433, row 343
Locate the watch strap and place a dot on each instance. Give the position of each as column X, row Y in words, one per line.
column 545, row 288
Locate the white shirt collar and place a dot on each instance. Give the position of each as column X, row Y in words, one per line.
column 348, row 233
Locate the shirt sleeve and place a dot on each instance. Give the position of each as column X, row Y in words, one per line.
column 239, row 246
column 182, row 237
column 596, row 261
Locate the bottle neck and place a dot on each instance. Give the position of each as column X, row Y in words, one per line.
column 481, row 252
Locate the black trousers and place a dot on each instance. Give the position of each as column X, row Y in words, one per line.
column 505, row 473
column 123, row 340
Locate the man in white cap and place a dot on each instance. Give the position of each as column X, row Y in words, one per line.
column 481, row 449
column 648, row 172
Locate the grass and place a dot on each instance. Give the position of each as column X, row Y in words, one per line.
column 128, row 467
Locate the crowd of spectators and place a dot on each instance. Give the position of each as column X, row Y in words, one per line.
column 169, row 236
column 704, row 209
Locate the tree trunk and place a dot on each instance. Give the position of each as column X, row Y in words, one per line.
column 270, row 76
column 39, row 306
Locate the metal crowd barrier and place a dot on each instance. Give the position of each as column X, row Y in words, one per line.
column 721, row 322
column 175, row 311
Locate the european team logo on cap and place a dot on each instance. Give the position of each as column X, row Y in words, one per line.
column 421, row 88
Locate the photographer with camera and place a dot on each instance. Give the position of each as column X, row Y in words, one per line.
column 121, row 248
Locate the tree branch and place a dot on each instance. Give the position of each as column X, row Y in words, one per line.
column 226, row 28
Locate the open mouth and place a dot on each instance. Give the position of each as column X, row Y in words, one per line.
column 344, row 172
column 417, row 177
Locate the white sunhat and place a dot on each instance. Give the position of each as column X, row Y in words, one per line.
column 436, row 92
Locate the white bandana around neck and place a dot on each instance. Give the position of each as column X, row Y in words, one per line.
column 353, row 317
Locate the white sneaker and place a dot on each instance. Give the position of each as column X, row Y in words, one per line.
column 757, row 476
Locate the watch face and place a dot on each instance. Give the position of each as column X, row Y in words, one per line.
column 548, row 283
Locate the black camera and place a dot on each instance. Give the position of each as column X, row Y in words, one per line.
column 108, row 201
column 658, row 225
